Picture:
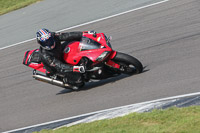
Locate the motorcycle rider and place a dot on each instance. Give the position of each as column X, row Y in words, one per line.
column 51, row 54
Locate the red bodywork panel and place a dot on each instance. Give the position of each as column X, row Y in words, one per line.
column 30, row 63
column 74, row 52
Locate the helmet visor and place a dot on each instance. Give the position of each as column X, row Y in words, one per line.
column 49, row 44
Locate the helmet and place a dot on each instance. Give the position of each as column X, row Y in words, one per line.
column 45, row 39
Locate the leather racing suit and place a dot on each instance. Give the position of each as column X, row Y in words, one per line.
column 53, row 59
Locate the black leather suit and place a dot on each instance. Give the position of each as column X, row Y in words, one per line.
column 53, row 59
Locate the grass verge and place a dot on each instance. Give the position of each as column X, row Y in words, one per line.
column 172, row 120
column 10, row 5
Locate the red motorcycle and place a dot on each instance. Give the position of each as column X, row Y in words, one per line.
column 94, row 52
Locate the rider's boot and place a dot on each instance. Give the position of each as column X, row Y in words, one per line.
column 75, row 85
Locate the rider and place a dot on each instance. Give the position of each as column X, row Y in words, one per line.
column 51, row 55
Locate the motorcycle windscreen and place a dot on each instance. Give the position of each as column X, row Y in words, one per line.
column 88, row 44
column 32, row 59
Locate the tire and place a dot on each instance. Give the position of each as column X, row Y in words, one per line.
column 128, row 64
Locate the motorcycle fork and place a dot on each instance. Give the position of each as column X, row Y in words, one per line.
column 112, row 63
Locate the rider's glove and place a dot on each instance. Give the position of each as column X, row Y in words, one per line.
column 79, row 69
column 91, row 32
column 94, row 33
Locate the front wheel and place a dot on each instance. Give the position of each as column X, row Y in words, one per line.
column 128, row 64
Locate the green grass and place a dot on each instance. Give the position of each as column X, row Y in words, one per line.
column 10, row 5
column 172, row 120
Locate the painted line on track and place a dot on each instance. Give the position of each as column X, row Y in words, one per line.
column 87, row 114
column 94, row 21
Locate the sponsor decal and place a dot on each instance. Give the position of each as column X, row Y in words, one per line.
column 98, row 39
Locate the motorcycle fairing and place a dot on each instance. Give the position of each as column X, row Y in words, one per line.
column 32, row 59
column 90, row 47
column 75, row 55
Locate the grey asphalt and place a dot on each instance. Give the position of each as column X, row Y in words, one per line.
column 178, row 101
column 55, row 15
column 165, row 38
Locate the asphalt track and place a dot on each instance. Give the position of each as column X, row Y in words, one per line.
column 164, row 37
column 22, row 24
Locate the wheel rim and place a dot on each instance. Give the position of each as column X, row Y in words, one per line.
column 128, row 68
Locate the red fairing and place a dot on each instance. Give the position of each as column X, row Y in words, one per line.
column 74, row 52
column 30, row 62
column 112, row 55
column 38, row 67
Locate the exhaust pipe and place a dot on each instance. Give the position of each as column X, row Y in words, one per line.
column 50, row 80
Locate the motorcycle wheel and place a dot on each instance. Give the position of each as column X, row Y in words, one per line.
column 128, row 64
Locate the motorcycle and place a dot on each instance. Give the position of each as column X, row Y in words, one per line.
column 94, row 52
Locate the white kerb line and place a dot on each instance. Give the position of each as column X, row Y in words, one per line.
column 142, row 103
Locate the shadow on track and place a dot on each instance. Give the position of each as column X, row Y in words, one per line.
column 97, row 83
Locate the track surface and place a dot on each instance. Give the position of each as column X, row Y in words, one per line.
column 165, row 38
column 22, row 24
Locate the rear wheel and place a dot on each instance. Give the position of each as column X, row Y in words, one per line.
column 128, row 64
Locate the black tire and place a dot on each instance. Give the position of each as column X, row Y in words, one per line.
column 129, row 64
